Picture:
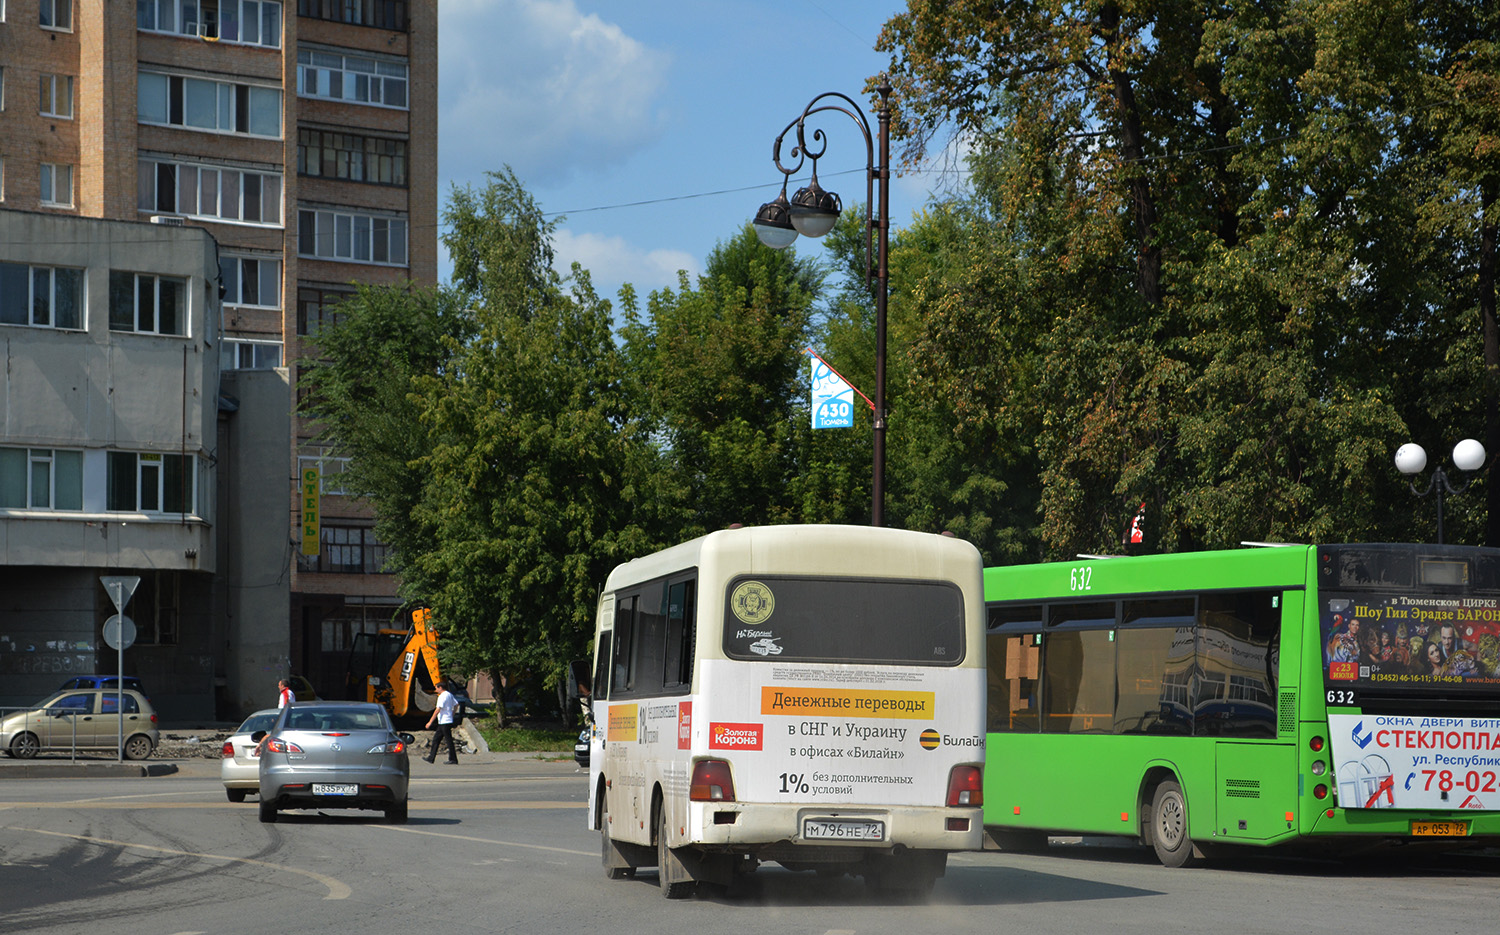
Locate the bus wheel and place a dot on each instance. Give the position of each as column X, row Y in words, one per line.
column 676, row 882
column 1169, row 826
column 614, row 866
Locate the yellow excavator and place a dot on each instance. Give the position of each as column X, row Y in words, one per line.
column 397, row 668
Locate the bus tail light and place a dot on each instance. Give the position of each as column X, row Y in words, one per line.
column 965, row 787
column 1316, row 744
column 711, row 782
column 1320, row 791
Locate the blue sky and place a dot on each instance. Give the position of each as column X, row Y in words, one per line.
column 597, row 105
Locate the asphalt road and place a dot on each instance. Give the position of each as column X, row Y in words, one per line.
column 497, row 844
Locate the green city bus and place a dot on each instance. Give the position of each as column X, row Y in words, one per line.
column 1346, row 695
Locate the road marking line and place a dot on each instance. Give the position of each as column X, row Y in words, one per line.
column 465, row 837
column 337, row 889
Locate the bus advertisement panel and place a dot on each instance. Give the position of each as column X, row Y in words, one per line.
column 1411, row 641
column 1416, row 762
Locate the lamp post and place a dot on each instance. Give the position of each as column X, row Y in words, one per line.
column 813, row 212
column 1468, row 455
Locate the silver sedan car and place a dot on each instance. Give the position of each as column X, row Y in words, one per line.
column 333, row 754
column 239, row 766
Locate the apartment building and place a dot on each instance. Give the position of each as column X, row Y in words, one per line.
column 302, row 138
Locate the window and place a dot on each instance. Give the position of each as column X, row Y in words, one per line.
column 57, row 185
column 56, row 96
column 2, row 67
column 251, row 281
column 147, row 482
column 352, row 78
column 361, row 238
column 856, row 620
column 156, row 608
column 681, row 613
column 209, row 192
column 1078, row 682
column 1185, row 664
column 56, row 14
column 351, row 550
column 351, row 156
column 384, row 14
column 317, row 308
column 147, row 304
column 41, row 296
column 330, row 472
column 41, row 479
column 1014, row 661
column 1234, row 695
column 248, row 22
column 214, row 106
column 242, row 354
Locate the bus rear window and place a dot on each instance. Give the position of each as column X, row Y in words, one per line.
column 795, row 619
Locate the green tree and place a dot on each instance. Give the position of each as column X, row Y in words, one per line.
column 363, row 393
column 722, row 377
column 1210, row 211
column 538, row 478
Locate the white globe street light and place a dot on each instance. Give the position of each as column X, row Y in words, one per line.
column 1411, row 459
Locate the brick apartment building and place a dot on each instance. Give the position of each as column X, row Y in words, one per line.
column 303, row 138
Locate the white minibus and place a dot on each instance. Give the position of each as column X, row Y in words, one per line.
column 808, row 695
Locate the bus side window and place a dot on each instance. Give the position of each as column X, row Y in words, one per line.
column 1013, row 650
column 650, row 640
column 602, row 666
column 1078, row 669
column 624, row 632
column 678, row 672
column 1233, row 696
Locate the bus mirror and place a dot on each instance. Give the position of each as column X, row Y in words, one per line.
column 578, row 679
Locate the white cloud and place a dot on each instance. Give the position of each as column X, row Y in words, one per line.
column 543, row 87
column 612, row 261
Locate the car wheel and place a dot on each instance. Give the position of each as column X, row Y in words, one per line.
column 235, row 795
column 268, row 813
column 138, row 747
column 24, row 746
column 396, row 814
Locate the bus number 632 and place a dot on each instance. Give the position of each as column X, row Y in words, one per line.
column 1080, row 579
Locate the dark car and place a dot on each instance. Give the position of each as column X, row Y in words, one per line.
column 333, row 754
column 102, row 681
column 581, row 747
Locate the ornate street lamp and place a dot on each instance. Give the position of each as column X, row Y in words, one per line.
column 1468, row 455
column 812, row 212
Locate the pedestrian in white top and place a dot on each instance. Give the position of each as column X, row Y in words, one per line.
column 286, row 697
column 447, row 705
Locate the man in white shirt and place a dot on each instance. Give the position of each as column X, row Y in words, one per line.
column 447, row 704
column 286, row 697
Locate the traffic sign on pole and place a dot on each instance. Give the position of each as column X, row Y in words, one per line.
column 120, row 588
column 121, row 635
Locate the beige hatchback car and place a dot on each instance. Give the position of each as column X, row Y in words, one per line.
column 82, row 719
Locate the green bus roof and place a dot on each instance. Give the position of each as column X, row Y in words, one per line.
column 1085, row 579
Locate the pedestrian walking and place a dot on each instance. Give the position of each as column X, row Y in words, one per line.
column 286, row 697
column 442, row 715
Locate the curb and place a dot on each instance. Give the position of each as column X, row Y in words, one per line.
column 87, row 770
